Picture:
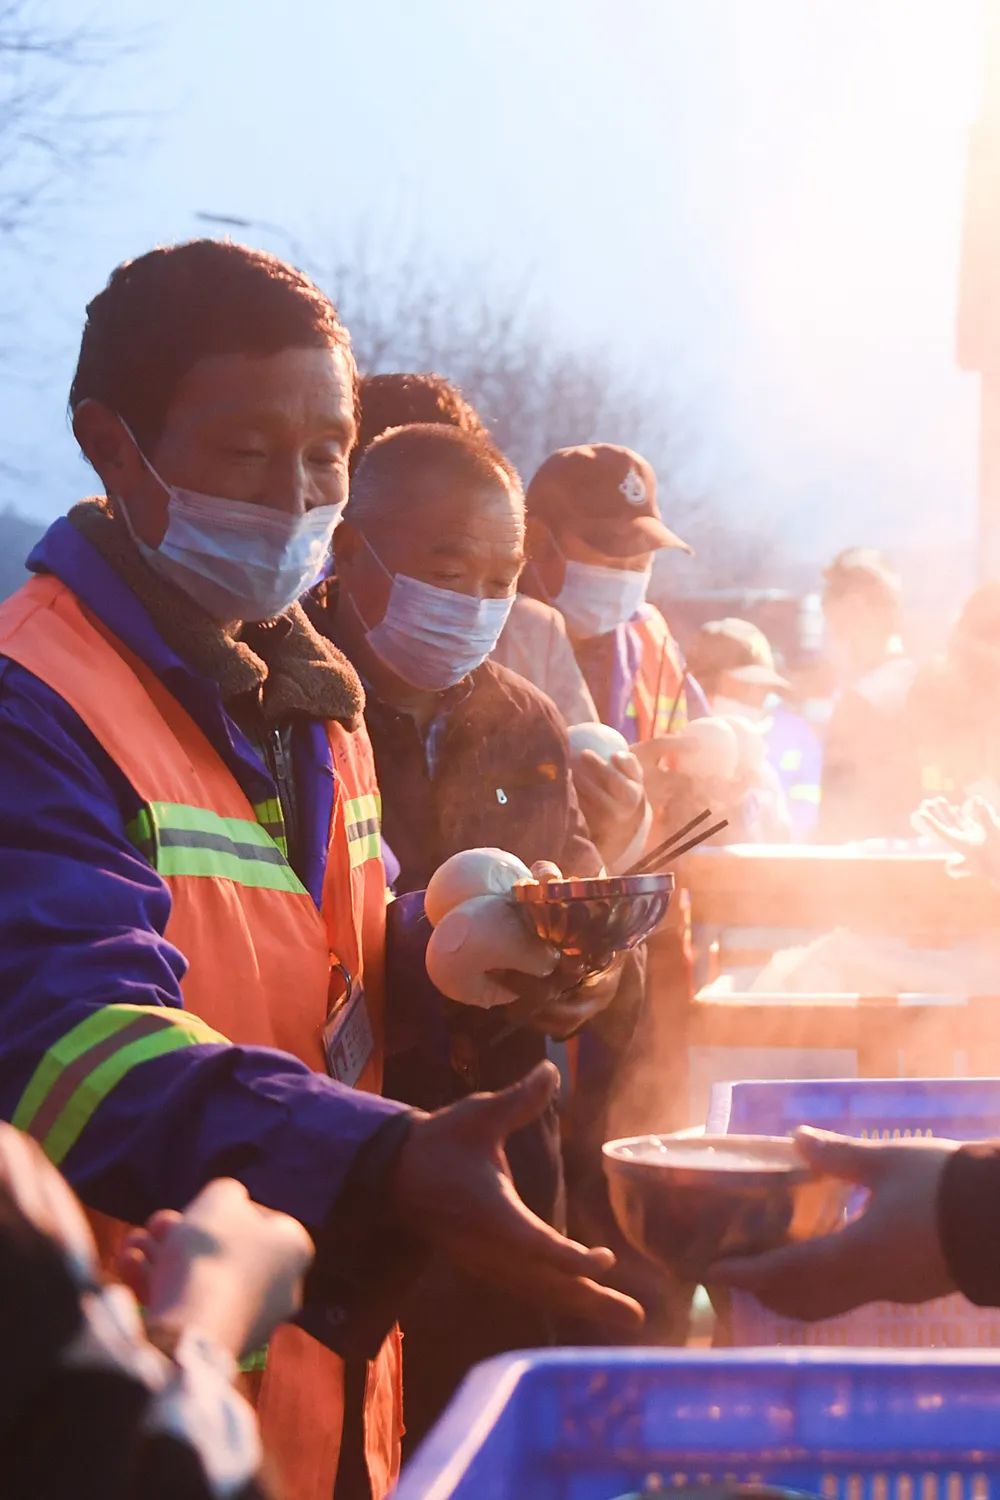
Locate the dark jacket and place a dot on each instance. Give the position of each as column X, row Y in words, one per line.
column 492, row 771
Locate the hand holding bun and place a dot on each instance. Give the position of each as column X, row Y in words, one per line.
column 600, row 738
column 751, row 745
column 708, row 749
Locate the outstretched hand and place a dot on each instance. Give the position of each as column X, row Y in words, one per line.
column 970, row 829
column 890, row 1253
column 452, row 1188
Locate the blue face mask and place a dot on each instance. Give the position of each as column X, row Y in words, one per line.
column 236, row 560
column 433, row 637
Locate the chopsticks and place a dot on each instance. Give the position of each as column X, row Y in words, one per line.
column 667, row 850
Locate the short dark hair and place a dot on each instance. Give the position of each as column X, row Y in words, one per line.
column 408, row 399
column 389, row 467
column 163, row 312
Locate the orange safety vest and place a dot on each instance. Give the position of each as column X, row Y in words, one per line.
column 658, row 704
column 263, row 962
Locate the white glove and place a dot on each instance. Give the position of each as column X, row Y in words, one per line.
column 477, row 938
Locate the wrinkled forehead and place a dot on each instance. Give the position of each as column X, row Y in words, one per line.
column 423, row 503
column 311, row 386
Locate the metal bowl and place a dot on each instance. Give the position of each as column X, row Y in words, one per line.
column 595, row 917
column 677, row 1201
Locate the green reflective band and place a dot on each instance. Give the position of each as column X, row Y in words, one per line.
column 363, row 849
column 361, row 809
column 671, row 716
column 82, row 1068
column 182, row 840
column 252, row 1364
column 363, row 822
column 142, row 832
column 272, row 820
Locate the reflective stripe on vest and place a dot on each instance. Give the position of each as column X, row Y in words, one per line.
column 178, row 839
column 658, row 704
column 272, row 820
column 79, row 1071
column 363, row 822
column 671, row 715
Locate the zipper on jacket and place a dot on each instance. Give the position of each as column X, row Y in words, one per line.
column 285, row 782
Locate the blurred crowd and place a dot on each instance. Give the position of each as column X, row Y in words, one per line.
column 313, row 651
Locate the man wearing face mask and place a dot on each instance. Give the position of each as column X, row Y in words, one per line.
column 734, row 665
column 468, row 755
column 593, row 527
column 192, row 896
column 534, row 643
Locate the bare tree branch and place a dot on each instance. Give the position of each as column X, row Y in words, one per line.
column 51, row 134
column 536, row 391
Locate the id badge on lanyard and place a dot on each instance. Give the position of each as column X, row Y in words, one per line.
column 348, row 1040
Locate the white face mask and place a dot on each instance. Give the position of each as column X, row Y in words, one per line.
column 433, row 637
column 594, row 600
column 236, row 560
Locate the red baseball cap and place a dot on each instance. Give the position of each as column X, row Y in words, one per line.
column 608, row 493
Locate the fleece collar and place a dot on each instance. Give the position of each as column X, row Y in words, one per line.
column 289, row 666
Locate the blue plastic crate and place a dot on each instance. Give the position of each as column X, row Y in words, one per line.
column 587, row 1424
column 964, row 1109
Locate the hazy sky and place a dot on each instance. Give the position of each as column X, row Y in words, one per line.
column 757, row 201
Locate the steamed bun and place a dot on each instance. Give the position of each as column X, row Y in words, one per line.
column 709, row 748
column 601, row 738
column 750, row 741
column 472, row 872
column 480, row 935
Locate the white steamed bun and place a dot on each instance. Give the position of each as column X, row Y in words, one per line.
column 472, row 872
column 710, row 748
column 601, row 738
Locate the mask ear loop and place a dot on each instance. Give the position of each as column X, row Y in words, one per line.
column 536, row 571
column 121, row 505
column 164, row 486
column 350, row 597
